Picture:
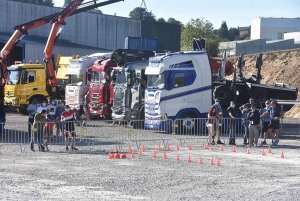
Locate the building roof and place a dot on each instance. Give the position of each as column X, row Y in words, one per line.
column 39, row 40
column 244, row 28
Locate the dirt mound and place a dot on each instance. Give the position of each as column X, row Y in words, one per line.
column 278, row 66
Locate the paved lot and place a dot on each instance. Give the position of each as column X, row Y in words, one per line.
column 88, row 174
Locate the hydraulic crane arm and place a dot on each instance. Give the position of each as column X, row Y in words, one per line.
column 21, row 31
column 58, row 24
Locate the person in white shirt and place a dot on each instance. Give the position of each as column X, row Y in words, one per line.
column 42, row 107
column 51, row 105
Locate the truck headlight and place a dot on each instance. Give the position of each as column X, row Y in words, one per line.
column 16, row 101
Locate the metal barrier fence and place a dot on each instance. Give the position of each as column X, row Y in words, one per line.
column 134, row 133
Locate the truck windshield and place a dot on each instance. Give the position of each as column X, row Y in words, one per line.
column 98, row 77
column 13, row 77
column 156, row 81
column 75, row 80
column 121, row 78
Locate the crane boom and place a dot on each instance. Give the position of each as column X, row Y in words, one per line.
column 21, row 31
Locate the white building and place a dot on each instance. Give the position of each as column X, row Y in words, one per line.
column 293, row 35
column 273, row 28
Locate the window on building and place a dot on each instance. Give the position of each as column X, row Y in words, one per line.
column 279, row 35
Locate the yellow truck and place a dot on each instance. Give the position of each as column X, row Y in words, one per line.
column 28, row 81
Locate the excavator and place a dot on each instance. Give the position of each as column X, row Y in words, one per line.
column 19, row 84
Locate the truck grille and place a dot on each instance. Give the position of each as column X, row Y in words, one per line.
column 118, row 99
column 10, row 93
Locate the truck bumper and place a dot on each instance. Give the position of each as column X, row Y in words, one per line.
column 118, row 116
column 11, row 101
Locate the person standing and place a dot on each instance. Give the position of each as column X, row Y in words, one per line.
column 275, row 114
column 51, row 105
column 31, row 110
column 245, row 109
column 68, row 117
column 232, row 123
column 266, row 122
column 219, row 119
column 48, row 128
column 59, row 110
column 254, row 118
column 2, row 119
column 212, row 115
column 43, row 107
column 38, row 125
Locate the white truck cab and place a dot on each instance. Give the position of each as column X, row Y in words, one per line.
column 178, row 86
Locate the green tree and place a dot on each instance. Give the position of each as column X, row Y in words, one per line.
column 141, row 14
column 95, row 10
column 161, row 19
column 39, row 2
column 233, row 33
column 173, row 21
column 200, row 28
column 223, row 31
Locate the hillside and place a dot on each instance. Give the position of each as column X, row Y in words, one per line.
column 278, row 66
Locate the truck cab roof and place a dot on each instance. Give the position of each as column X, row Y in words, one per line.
column 26, row 66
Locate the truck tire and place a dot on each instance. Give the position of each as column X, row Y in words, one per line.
column 187, row 124
column 224, row 93
column 259, row 94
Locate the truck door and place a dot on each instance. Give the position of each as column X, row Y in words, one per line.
column 29, row 83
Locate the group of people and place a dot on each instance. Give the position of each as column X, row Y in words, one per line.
column 252, row 116
column 44, row 117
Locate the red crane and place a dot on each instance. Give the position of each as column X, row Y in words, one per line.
column 56, row 19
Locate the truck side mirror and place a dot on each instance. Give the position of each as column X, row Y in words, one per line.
column 24, row 77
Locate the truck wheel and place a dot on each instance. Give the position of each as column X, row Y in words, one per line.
column 22, row 110
column 259, row 94
column 187, row 124
column 224, row 93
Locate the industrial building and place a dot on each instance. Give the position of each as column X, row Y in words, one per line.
column 267, row 34
column 273, row 28
column 84, row 33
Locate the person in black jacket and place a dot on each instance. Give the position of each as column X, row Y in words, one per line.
column 254, row 118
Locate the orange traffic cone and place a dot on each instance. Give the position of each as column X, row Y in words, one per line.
column 282, row 155
column 177, row 147
column 212, row 161
column 234, row 149
column 211, row 147
column 263, row 152
column 165, row 155
column 204, row 146
column 143, row 148
column 189, row 158
column 123, row 156
column 269, row 150
column 159, row 148
column 190, row 147
column 132, row 155
column 218, row 162
column 117, row 156
column 222, row 148
column 117, row 149
column 200, row 160
column 168, row 147
column 154, row 154
column 109, row 156
column 178, row 157
column 129, row 149
column 141, row 152
column 248, row 151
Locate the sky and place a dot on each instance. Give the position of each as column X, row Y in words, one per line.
column 234, row 12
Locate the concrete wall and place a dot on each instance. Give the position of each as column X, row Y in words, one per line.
column 256, row 46
column 293, row 35
column 273, row 28
column 96, row 30
column 35, row 51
